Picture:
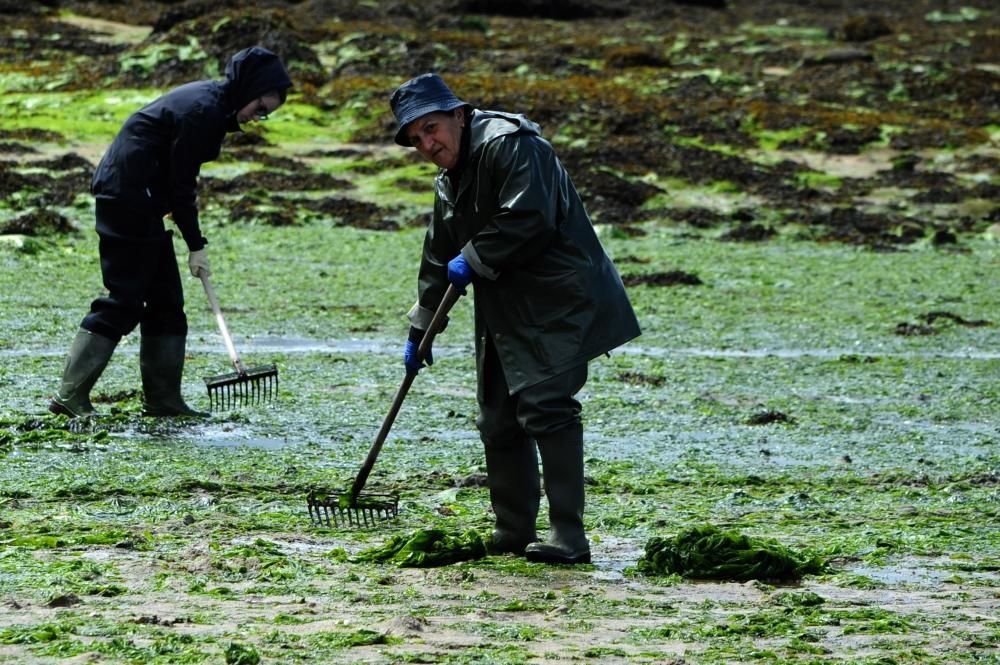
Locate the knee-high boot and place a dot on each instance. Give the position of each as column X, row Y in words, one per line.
column 514, row 494
column 88, row 356
column 562, row 470
column 161, row 362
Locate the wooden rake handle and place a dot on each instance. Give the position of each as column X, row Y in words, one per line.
column 223, row 328
column 451, row 296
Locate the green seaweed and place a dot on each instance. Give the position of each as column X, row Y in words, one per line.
column 241, row 654
column 426, row 548
column 890, row 470
column 707, row 552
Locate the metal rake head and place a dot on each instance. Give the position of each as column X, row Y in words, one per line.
column 254, row 386
column 337, row 508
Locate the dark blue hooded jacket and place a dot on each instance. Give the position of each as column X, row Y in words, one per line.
column 153, row 163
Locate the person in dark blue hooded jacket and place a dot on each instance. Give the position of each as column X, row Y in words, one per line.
column 150, row 171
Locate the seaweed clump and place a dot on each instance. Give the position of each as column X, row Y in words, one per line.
column 707, row 552
column 426, row 548
column 38, row 223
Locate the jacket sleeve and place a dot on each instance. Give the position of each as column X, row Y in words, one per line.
column 191, row 146
column 524, row 176
column 432, row 281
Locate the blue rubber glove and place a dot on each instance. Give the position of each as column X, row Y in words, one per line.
column 410, row 352
column 459, row 273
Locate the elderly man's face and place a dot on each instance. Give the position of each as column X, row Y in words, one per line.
column 438, row 136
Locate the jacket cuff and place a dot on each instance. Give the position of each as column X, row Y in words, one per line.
column 476, row 263
column 196, row 244
column 420, row 317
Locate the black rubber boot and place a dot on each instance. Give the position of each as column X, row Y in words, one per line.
column 88, row 356
column 161, row 362
column 562, row 468
column 514, row 494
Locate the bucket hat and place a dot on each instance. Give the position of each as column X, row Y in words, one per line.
column 417, row 97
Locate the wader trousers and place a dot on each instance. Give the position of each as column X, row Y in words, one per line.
column 140, row 272
column 510, row 426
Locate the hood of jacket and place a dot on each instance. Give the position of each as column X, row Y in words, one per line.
column 487, row 125
column 252, row 73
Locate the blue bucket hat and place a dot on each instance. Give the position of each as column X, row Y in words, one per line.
column 416, row 98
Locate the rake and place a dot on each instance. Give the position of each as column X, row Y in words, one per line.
column 245, row 386
column 358, row 508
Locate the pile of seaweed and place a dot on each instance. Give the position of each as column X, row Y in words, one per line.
column 707, row 552
column 426, row 548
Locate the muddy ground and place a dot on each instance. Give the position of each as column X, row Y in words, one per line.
column 802, row 198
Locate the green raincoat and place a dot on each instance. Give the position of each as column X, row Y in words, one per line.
column 545, row 290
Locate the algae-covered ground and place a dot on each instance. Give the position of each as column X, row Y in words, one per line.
column 802, row 199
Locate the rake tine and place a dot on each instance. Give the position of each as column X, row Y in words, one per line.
column 327, row 509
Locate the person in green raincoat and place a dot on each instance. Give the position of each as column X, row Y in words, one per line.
column 548, row 299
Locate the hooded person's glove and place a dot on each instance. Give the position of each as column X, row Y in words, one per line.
column 410, row 351
column 459, row 273
column 198, row 261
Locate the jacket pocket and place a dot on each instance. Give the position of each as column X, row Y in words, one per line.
column 553, row 312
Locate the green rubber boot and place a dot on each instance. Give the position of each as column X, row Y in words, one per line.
column 161, row 362
column 514, row 493
column 562, row 468
column 88, row 356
